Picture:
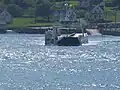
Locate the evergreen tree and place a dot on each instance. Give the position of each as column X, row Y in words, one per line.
column 117, row 3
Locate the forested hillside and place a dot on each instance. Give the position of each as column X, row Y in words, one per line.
column 41, row 8
column 33, row 12
column 26, row 12
column 30, row 8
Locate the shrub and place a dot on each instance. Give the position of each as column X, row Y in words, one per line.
column 14, row 10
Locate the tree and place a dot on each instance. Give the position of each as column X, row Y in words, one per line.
column 44, row 10
column 117, row 3
column 29, row 12
column 2, row 5
column 14, row 10
column 6, row 1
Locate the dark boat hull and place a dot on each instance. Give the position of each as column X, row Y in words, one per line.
column 68, row 41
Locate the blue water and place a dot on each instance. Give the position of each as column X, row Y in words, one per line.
column 26, row 64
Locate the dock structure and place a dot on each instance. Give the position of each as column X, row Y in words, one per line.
column 111, row 28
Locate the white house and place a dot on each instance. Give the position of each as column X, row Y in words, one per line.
column 67, row 15
column 5, row 18
column 97, row 13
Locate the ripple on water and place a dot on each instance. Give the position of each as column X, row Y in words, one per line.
column 26, row 64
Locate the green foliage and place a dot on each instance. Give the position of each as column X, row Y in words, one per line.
column 43, row 10
column 14, row 10
column 29, row 12
column 34, row 8
column 117, row 3
column 18, row 22
column 2, row 5
column 25, row 22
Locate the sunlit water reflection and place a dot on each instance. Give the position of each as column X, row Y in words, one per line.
column 26, row 64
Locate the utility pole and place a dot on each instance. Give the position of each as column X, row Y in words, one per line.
column 115, row 19
column 115, row 16
column 115, row 9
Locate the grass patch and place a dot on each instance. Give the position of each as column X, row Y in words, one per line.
column 74, row 3
column 25, row 22
column 20, row 22
column 110, row 14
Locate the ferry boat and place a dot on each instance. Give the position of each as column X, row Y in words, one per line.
column 66, row 22
column 52, row 37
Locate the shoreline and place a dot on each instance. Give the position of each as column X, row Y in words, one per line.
column 42, row 30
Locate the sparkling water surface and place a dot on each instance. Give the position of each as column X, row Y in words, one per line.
column 26, row 64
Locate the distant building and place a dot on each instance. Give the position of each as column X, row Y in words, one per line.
column 5, row 18
column 97, row 13
column 67, row 15
column 95, row 9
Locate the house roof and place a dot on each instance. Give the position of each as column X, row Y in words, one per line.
column 97, row 9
